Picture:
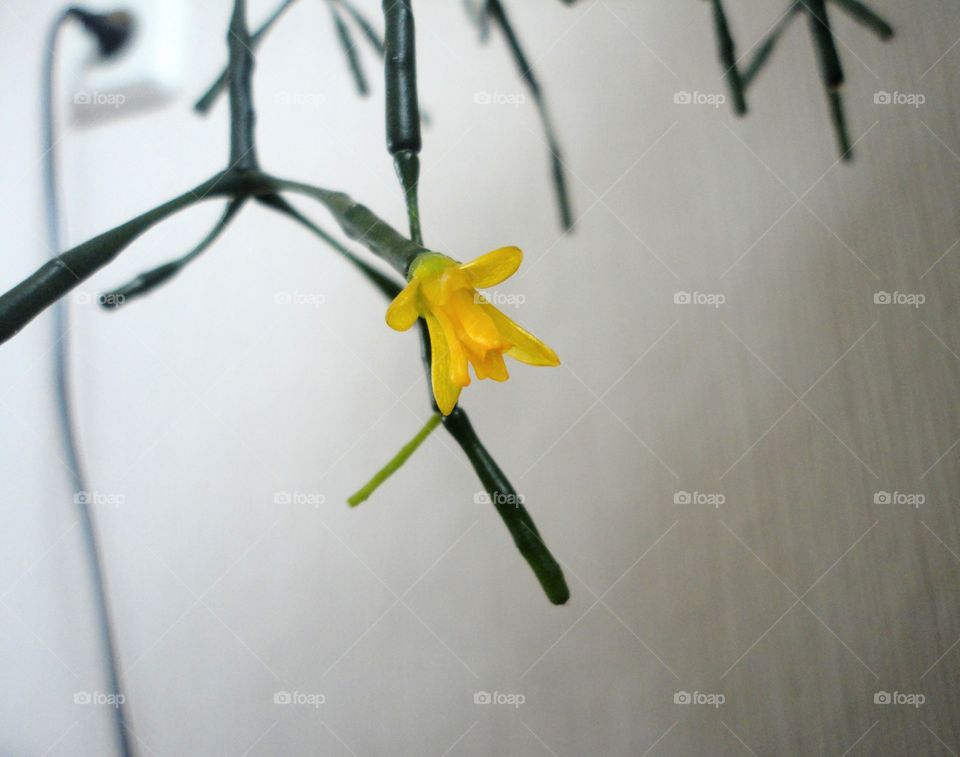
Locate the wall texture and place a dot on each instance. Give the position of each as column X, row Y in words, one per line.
column 796, row 592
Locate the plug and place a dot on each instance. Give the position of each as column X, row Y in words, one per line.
column 113, row 31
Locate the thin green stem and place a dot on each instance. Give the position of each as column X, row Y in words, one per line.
column 728, row 57
column 766, row 48
column 349, row 49
column 867, row 17
column 363, row 494
column 366, row 28
column 498, row 13
column 147, row 281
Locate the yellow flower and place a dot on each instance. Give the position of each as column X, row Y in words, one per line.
column 463, row 326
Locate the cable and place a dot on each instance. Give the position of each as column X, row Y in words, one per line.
column 112, row 32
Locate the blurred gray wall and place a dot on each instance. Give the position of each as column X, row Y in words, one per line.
column 788, row 586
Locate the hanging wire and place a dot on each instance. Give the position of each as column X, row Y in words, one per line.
column 63, row 389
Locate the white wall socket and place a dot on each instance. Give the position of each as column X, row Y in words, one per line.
column 149, row 73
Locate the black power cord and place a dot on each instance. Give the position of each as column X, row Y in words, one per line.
column 112, row 32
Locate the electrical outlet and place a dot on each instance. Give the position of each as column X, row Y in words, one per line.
column 147, row 74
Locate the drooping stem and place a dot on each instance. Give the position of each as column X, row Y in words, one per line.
column 510, row 507
column 363, row 494
column 867, row 17
column 728, row 57
column 404, row 143
column 147, row 281
column 766, row 48
column 365, row 27
column 499, row 15
column 349, row 49
column 831, row 71
column 830, row 66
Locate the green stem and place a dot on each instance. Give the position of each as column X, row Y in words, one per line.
column 728, row 57
column 510, row 507
column 381, row 281
column 360, row 223
column 867, row 17
column 54, row 279
column 395, row 464
column 206, row 102
column 147, row 281
column 349, row 49
column 766, row 48
column 498, row 13
column 243, row 118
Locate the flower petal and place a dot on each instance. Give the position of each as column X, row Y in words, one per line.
column 526, row 347
column 459, row 374
column 445, row 392
column 402, row 313
column 490, row 366
column 490, row 269
column 477, row 328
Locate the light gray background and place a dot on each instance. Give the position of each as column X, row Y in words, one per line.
column 797, row 599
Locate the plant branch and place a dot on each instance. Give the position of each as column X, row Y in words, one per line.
column 54, row 279
column 404, row 143
column 499, row 15
column 867, row 17
column 509, row 506
column 147, row 281
column 766, row 48
column 728, row 57
column 349, row 49
column 364, row 493
column 366, row 28
column 360, row 223
column 387, row 286
column 243, row 117
column 206, row 102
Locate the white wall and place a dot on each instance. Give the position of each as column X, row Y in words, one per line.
column 798, row 399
